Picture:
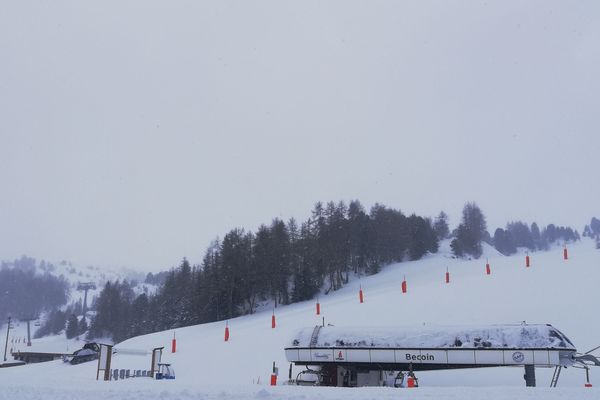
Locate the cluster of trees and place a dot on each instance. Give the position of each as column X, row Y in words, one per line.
column 470, row 233
column 156, row 279
column 76, row 326
column 56, row 321
column 25, row 293
column 280, row 263
column 54, row 324
column 115, row 316
column 593, row 229
column 519, row 234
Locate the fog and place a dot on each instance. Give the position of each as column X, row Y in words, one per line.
column 135, row 132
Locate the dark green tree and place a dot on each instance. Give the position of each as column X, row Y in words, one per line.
column 82, row 327
column 72, row 327
column 536, row 236
column 470, row 232
column 521, row 235
column 595, row 226
column 440, row 226
column 503, row 242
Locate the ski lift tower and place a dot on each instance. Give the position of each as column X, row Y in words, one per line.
column 9, row 327
column 28, row 320
column 84, row 287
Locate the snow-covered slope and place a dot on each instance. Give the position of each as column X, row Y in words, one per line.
column 552, row 290
column 73, row 274
column 17, row 340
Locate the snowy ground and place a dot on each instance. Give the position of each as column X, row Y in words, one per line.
column 114, row 391
column 17, row 340
column 563, row 293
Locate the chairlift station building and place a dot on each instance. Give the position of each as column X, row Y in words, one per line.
column 338, row 352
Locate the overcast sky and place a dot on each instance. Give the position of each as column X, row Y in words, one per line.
column 134, row 132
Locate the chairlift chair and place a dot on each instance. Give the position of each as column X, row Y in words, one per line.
column 165, row 371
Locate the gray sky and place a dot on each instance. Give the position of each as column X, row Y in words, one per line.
column 134, row 132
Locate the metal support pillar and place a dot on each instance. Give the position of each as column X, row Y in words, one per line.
column 555, row 376
column 85, row 287
column 529, row 376
column 28, row 332
column 6, row 344
column 84, row 309
column 587, row 377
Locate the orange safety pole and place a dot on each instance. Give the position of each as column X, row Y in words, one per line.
column 274, row 375
column 360, row 295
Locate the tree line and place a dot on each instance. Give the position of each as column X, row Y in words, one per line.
column 519, row 234
column 25, row 294
column 287, row 262
column 593, row 231
column 280, row 263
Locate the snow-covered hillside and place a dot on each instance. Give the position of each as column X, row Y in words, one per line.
column 73, row 274
column 552, row 290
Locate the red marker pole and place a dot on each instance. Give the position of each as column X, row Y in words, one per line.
column 360, row 295
column 404, row 285
column 226, row 331
column 318, row 308
column 273, row 320
column 274, row 375
column 527, row 261
column 173, row 344
column 565, row 253
column 488, row 270
column 447, row 276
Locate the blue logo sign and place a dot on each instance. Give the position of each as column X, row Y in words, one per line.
column 518, row 357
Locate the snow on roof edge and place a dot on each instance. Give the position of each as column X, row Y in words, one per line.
column 490, row 336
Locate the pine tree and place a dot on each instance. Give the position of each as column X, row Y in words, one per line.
column 308, row 278
column 422, row 237
column 536, row 236
column 140, row 313
column 595, row 226
column 82, row 327
column 470, row 232
column 440, row 226
column 280, row 257
column 235, row 254
column 183, row 289
column 503, row 242
column 72, row 327
column 521, row 235
column 54, row 324
column 587, row 231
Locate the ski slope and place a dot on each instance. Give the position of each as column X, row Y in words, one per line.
column 561, row 292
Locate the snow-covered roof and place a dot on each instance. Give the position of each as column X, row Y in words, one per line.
column 491, row 336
